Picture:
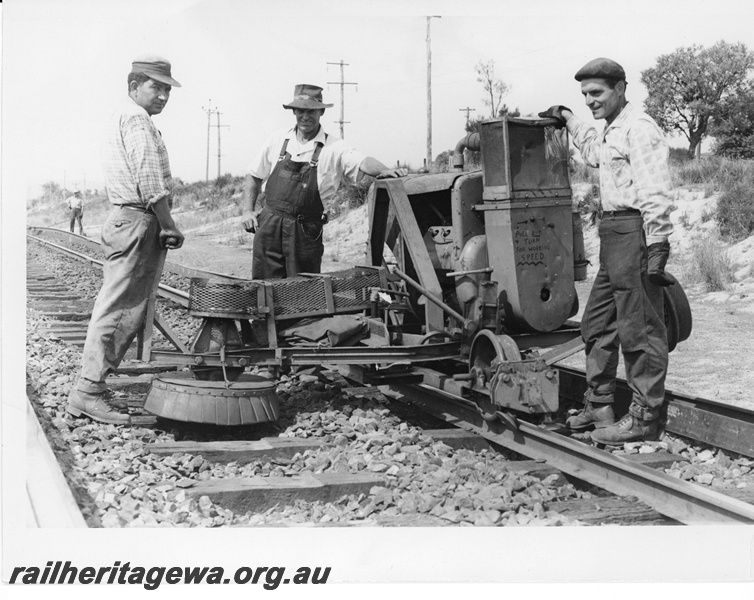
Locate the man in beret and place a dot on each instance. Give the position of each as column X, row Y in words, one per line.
column 135, row 235
column 625, row 307
column 301, row 169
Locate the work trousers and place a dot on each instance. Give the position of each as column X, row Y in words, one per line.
column 77, row 215
column 285, row 246
column 131, row 241
column 625, row 311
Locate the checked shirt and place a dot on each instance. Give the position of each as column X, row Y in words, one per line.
column 134, row 159
column 632, row 157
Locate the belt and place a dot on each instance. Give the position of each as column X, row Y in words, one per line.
column 140, row 209
column 611, row 214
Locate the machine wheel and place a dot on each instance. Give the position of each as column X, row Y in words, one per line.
column 678, row 320
column 488, row 350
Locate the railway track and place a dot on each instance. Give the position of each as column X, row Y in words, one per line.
column 704, row 421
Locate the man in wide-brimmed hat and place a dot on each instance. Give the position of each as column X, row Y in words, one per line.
column 625, row 307
column 301, row 169
column 76, row 205
column 135, row 235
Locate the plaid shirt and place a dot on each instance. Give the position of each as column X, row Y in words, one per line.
column 135, row 160
column 632, row 156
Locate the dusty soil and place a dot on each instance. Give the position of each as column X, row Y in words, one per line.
column 717, row 362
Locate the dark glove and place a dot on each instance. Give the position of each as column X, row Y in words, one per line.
column 657, row 258
column 555, row 112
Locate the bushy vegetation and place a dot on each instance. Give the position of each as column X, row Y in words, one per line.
column 734, row 180
column 710, row 264
column 735, row 210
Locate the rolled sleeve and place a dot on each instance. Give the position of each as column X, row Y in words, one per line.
column 649, row 161
column 262, row 164
column 350, row 163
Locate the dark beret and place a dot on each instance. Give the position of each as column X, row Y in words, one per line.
column 601, row 68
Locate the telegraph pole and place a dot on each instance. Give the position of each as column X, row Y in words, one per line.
column 342, row 83
column 210, row 111
column 467, row 110
column 218, row 113
column 429, row 94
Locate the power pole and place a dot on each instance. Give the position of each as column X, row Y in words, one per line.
column 467, row 110
column 210, row 111
column 218, row 113
column 342, row 83
column 429, row 93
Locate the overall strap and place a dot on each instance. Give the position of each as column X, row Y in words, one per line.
column 283, row 150
column 315, row 156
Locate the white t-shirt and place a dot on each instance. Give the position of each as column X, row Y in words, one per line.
column 337, row 161
column 75, row 202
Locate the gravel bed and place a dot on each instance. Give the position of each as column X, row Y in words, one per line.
column 426, row 482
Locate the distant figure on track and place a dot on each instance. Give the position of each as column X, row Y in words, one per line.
column 625, row 307
column 76, row 205
column 134, row 237
column 301, row 168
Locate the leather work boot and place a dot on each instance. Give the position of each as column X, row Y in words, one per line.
column 95, row 406
column 119, row 404
column 593, row 415
column 628, row 429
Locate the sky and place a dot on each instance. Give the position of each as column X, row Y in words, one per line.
column 65, row 65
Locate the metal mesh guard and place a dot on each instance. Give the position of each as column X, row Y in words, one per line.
column 307, row 295
column 292, row 297
column 230, row 300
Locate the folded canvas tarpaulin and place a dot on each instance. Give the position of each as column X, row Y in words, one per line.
column 339, row 330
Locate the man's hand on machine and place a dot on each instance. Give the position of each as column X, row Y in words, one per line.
column 391, row 173
column 556, row 112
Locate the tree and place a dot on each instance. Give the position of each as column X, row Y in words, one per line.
column 687, row 86
column 733, row 126
column 494, row 89
column 52, row 191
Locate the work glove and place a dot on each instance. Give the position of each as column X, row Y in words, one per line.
column 657, row 258
column 555, row 112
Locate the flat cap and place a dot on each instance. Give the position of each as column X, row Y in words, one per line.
column 156, row 67
column 601, row 68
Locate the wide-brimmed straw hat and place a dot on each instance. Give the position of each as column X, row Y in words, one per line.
column 156, row 67
column 308, row 97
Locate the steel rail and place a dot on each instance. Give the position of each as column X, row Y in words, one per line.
column 701, row 419
column 685, row 502
column 708, row 421
column 170, row 267
column 164, row 290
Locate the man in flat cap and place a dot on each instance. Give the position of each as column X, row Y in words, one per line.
column 625, row 307
column 301, row 169
column 76, row 205
column 135, row 235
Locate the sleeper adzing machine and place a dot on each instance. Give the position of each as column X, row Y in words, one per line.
column 468, row 287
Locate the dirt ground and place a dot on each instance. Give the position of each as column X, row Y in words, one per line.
column 716, row 362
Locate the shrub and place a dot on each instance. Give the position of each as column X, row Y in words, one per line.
column 348, row 197
column 711, row 264
column 695, row 172
column 735, row 209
